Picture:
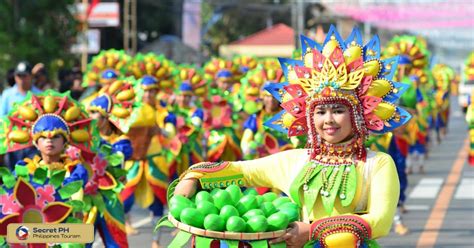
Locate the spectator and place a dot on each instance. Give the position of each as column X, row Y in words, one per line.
column 17, row 93
column 40, row 76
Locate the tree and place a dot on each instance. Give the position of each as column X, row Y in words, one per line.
column 37, row 31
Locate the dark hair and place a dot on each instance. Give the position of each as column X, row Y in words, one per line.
column 11, row 77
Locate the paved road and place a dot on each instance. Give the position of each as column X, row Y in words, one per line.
column 440, row 202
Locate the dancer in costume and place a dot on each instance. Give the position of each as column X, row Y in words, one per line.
column 45, row 184
column 220, row 120
column 187, row 121
column 470, row 122
column 116, row 109
column 147, row 176
column 443, row 76
column 413, row 61
column 339, row 92
column 257, row 139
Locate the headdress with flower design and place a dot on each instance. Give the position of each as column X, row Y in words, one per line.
column 253, row 87
column 106, row 67
column 411, row 51
column 339, row 72
column 245, row 63
column 120, row 103
column 47, row 114
column 151, row 65
column 192, row 81
column 218, row 69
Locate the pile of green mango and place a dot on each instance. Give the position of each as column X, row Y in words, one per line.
column 232, row 210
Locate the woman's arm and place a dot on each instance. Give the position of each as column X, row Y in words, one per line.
column 383, row 198
column 273, row 171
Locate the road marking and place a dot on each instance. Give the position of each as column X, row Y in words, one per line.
column 142, row 222
column 430, row 233
column 427, row 188
column 417, row 207
column 465, row 189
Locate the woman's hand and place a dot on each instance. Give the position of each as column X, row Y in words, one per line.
column 186, row 187
column 297, row 236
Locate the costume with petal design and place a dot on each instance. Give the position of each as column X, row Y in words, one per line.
column 37, row 191
column 184, row 123
column 119, row 104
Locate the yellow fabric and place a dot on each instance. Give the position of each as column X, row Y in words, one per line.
column 280, row 169
column 87, row 101
column 146, row 117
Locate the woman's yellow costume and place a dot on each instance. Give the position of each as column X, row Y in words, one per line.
column 349, row 194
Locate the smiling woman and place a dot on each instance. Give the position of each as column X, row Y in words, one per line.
column 338, row 93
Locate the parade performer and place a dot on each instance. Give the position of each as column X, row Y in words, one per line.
column 116, row 109
column 257, row 139
column 470, row 122
column 443, row 76
column 148, row 172
column 50, row 185
column 339, row 92
column 187, row 121
column 413, row 60
column 220, row 120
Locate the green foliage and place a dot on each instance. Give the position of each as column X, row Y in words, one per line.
column 37, row 31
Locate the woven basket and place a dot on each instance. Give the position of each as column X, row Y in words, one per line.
column 225, row 235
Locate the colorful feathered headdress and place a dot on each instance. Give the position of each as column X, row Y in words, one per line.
column 47, row 114
column 106, row 67
column 192, row 81
column 344, row 72
column 411, row 51
column 120, row 103
column 151, row 65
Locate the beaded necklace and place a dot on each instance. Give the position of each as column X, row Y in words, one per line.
column 331, row 174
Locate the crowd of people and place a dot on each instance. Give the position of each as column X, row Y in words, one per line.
column 131, row 125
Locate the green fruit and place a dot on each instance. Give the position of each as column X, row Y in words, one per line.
column 235, row 193
column 268, row 208
column 177, row 204
column 269, row 196
column 214, row 191
column 292, row 214
column 251, row 213
column 203, row 196
column 280, row 201
column 257, row 223
column 250, row 191
column 277, row 221
column 259, row 199
column 206, row 208
column 247, row 203
column 214, row 222
column 228, row 211
column 288, row 205
column 222, row 198
column 192, row 217
column 179, row 199
column 235, row 224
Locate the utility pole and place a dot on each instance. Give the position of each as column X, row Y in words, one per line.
column 297, row 19
column 85, row 27
column 130, row 26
